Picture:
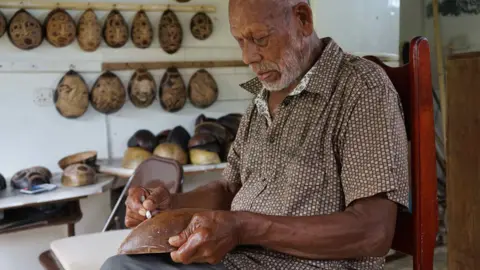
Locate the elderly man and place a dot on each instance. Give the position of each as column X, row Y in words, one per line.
column 317, row 171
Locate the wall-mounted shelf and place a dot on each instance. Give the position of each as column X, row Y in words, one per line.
column 105, row 6
column 165, row 65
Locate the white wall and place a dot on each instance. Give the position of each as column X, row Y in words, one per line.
column 33, row 133
column 360, row 26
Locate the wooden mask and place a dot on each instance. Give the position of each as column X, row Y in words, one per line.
column 202, row 89
column 108, row 93
column 115, row 30
column 25, row 31
column 201, row 26
column 60, row 28
column 172, row 92
column 71, row 96
column 89, row 34
column 170, row 32
column 142, row 88
column 142, row 30
column 3, row 24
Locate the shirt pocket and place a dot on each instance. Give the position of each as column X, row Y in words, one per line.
column 306, row 188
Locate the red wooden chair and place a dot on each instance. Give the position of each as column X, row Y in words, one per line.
column 416, row 230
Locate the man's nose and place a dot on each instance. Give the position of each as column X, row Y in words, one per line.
column 250, row 54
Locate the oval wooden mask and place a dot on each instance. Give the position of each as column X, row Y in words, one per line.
column 115, row 30
column 108, row 93
column 89, row 34
column 142, row 30
column 142, row 88
column 71, row 96
column 3, row 24
column 60, row 28
column 201, row 26
column 172, row 92
column 170, row 32
column 202, row 89
column 25, row 31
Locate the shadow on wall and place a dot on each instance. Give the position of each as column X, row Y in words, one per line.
column 455, row 7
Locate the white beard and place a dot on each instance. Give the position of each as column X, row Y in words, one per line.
column 294, row 63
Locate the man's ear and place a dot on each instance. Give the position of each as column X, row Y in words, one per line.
column 304, row 16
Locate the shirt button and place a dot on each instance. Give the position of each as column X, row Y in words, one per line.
column 271, row 140
column 286, row 102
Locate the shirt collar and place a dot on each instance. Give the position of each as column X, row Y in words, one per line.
column 331, row 58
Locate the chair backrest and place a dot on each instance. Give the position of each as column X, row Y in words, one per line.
column 150, row 173
column 415, row 233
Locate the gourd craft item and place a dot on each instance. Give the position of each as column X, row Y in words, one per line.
column 162, row 136
column 170, row 32
column 29, row 177
column 175, row 146
column 202, row 89
column 108, row 93
column 88, row 158
column 144, row 139
column 212, row 139
column 134, row 156
column 78, row 175
column 201, row 26
column 60, row 28
column 142, row 88
column 115, row 30
column 172, row 92
column 71, row 96
column 3, row 182
column 25, row 31
column 3, row 24
column 151, row 236
column 142, row 30
column 89, row 31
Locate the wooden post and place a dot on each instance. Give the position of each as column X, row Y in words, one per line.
column 463, row 166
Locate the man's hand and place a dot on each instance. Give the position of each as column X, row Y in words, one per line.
column 156, row 199
column 207, row 239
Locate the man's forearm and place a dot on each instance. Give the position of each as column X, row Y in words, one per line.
column 217, row 195
column 341, row 235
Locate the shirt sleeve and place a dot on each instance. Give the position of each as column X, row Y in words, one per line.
column 374, row 151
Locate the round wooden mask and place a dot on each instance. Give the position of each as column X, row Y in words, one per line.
column 25, row 31
column 202, row 89
column 89, row 31
column 142, row 88
column 170, row 32
column 115, row 30
column 201, row 26
column 142, row 30
column 60, row 28
column 3, row 24
column 108, row 93
column 172, row 92
column 71, row 96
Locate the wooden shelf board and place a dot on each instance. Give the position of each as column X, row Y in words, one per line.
column 105, row 6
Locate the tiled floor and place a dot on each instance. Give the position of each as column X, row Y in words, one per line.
column 406, row 263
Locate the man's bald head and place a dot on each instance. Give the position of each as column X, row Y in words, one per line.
column 276, row 36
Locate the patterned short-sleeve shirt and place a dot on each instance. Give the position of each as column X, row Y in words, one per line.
column 339, row 139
